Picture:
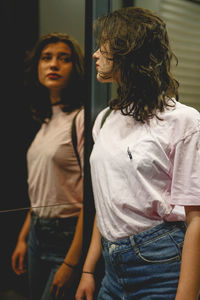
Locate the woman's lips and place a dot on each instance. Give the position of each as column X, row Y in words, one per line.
column 53, row 76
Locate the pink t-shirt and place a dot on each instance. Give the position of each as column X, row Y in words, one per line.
column 54, row 177
column 143, row 174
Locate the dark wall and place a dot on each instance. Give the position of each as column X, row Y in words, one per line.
column 19, row 31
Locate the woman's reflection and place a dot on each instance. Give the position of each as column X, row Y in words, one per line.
column 52, row 232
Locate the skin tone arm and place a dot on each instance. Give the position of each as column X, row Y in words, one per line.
column 18, row 256
column 189, row 282
column 65, row 274
column 87, row 284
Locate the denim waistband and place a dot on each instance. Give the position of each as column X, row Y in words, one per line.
column 145, row 236
column 58, row 222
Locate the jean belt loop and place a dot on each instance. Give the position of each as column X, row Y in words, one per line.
column 132, row 240
column 57, row 223
column 35, row 219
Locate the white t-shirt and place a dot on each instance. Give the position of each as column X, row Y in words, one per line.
column 143, row 174
column 55, row 180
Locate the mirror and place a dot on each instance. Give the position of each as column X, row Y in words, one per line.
column 36, row 19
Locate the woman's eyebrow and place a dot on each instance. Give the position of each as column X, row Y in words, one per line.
column 59, row 53
column 65, row 53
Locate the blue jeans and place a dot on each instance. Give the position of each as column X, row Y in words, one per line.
column 49, row 241
column 145, row 266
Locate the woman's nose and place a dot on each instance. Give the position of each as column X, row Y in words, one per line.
column 96, row 54
column 54, row 63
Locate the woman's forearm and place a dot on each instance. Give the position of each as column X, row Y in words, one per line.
column 189, row 283
column 74, row 253
column 25, row 228
column 94, row 251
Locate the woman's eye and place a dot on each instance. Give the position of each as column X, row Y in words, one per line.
column 65, row 59
column 102, row 51
column 106, row 54
column 45, row 58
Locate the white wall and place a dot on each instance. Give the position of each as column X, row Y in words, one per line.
column 153, row 5
column 183, row 22
column 63, row 16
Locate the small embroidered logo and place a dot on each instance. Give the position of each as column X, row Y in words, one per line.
column 129, row 153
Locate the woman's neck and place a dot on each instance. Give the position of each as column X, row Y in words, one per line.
column 55, row 98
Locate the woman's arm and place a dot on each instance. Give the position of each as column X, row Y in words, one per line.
column 189, row 282
column 66, row 272
column 87, row 284
column 75, row 250
column 18, row 256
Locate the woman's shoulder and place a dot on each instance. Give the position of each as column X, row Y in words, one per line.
column 183, row 114
column 101, row 116
column 186, row 110
column 80, row 113
column 183, row 119
column 79, row 116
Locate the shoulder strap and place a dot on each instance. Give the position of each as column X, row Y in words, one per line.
column 74, row 138
column 105, row 116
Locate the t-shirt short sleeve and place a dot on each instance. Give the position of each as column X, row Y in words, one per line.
column 185, row 187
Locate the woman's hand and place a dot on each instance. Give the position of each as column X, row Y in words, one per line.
column 18, row 258
column 86, row 287
column 63, row 278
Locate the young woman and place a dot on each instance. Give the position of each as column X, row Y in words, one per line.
column 52, row 231
column 145, row 169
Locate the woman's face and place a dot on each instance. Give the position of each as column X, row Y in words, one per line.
column 104, row 64
column 55, row 66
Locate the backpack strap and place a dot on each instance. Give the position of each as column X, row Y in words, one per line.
column 74, row 138
column 105, row 116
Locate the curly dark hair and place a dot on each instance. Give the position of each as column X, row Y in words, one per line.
column 139, row 46
column 72, row 96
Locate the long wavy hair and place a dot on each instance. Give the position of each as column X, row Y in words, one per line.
column 72, row 96
column 138, row 43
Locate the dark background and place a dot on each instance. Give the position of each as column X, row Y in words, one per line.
column 19, row 31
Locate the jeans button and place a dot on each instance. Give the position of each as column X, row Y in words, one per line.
column 112, row 248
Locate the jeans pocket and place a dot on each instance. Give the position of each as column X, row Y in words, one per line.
column 161, row 250
column 178, row 237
